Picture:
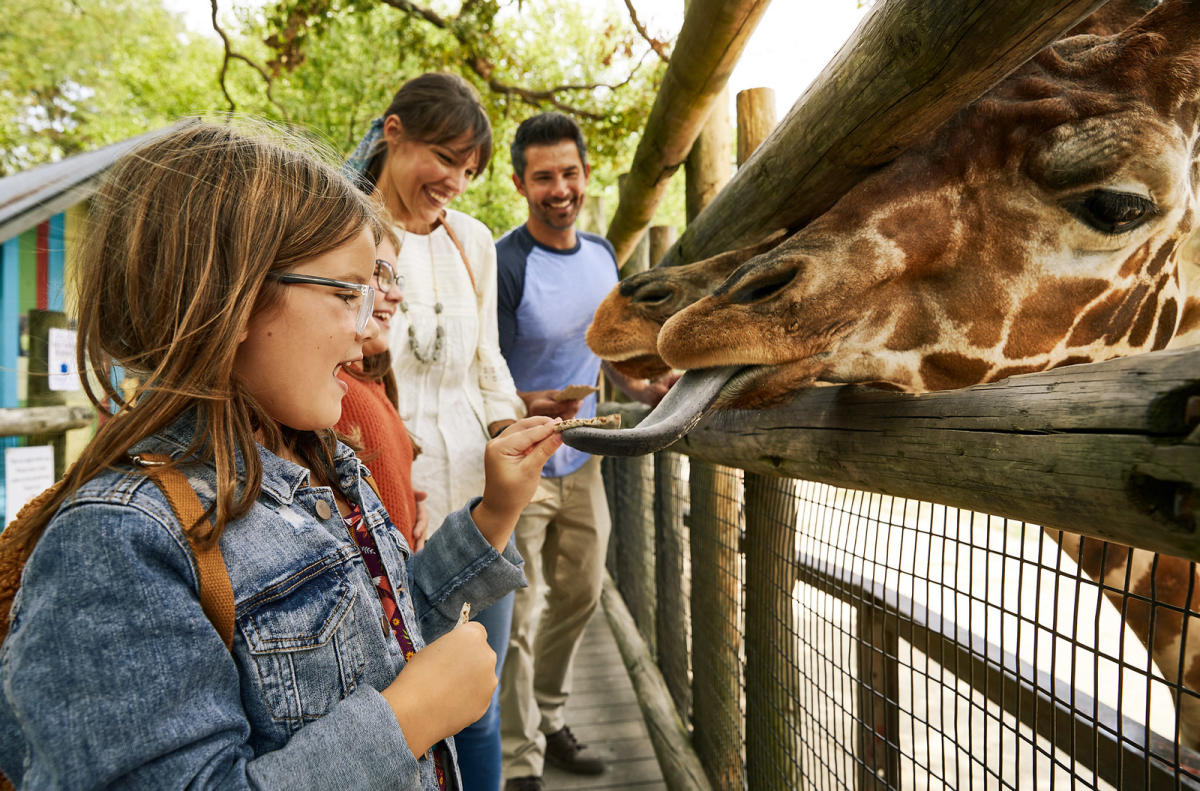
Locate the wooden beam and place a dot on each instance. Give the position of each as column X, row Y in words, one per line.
column 712, row 38
column 910, row 66
column 1110, row 450
column 20, row 421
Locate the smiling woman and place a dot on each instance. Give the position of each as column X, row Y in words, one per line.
column 454, row 388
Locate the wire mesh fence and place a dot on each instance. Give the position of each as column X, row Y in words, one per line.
column 814, row 637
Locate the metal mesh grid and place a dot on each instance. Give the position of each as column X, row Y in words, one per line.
column 841, row 639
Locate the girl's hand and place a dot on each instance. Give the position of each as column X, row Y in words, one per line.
column 421, row 522
column 445, row 687
column 512, row 465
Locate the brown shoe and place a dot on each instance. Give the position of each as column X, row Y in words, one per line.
column 563, row 751
column 529, row 783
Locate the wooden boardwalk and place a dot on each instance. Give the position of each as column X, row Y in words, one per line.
column 603, row 714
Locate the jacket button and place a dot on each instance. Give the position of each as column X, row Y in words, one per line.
column 323, row 509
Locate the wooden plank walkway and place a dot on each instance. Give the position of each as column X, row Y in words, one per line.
column 603, row 713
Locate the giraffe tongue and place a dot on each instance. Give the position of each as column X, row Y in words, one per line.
column 678, row 412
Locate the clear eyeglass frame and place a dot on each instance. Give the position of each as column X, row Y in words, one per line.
column 366, row 293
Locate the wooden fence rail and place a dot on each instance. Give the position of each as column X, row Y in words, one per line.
column 1110, row 450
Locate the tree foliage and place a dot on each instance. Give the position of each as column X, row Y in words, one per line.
column 334, row 66
column 78, row 74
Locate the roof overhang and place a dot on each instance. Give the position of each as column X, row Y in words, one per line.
column 33, row 196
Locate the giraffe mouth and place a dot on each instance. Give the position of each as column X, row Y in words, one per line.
column 696, row 393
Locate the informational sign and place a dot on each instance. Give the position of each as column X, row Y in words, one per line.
column 60, row 358
column 27, row 471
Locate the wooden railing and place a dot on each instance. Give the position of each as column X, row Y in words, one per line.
column 1109, row 450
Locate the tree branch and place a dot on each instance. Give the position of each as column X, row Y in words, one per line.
column 484, row 68
column 656, row 45
column 231, row 55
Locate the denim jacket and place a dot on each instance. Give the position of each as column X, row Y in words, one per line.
column 111, row 675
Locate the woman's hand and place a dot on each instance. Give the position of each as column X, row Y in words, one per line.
column 444, row 687
column 421, row 522
column 512, row 465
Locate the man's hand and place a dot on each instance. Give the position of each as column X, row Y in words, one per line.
column 541, row 402
column 645, row 391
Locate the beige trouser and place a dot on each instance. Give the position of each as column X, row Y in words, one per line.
column 563, row 535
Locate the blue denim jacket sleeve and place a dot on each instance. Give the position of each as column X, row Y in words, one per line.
column 113, row 676
column 458, row 565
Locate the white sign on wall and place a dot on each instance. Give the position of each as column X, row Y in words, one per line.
column 61, row 360
column 27, row 471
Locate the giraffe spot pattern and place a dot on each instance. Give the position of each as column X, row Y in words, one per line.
column 1166, row 324
column 1123, row 318
column 1045, row 316
column 948, row 370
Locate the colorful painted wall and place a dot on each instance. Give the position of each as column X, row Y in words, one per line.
column 32, row 276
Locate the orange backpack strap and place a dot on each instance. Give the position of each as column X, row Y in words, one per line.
column 216, row 590
column 374, row 487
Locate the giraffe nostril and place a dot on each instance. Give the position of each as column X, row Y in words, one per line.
column 764, row 283
column 654, row 294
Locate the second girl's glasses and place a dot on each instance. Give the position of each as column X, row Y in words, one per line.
column 385, row 275
column 365, row 293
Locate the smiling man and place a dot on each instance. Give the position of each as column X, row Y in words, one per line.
column 551, row 278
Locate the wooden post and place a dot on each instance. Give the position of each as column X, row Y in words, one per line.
column 755, row 120
column 634, row 539
column 708, row 166
column 670, row 568
column 772, row 660
column 773, row 743
column 639, row 256
column 714, row 495
column 878, row 672
column 661, row 239
column 39, row 392
column 680, row 766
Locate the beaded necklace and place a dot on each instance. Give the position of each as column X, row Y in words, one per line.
column 435, row 347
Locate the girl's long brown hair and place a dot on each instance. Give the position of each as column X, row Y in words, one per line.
column 180, row 239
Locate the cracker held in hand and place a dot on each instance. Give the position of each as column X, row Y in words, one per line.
column 574, row 392
column 607, row 421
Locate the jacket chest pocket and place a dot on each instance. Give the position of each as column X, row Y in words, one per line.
column 305, row 646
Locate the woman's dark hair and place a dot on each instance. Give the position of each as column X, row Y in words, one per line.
column 438, row 108
column 545, row 129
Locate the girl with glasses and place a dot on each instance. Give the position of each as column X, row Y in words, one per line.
column 457, row 391
column 212, row 273
column 370, row 422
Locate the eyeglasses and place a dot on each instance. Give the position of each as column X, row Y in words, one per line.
column 364, row 293
column 385, row 275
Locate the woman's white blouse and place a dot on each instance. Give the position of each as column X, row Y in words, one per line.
column 447, row 404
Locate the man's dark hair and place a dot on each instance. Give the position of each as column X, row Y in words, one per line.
column 545, row 129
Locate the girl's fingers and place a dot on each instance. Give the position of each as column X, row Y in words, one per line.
column 525, row 433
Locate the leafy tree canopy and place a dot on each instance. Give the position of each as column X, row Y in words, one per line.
column 78, row 74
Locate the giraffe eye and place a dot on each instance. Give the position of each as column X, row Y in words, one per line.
column 1112, row 212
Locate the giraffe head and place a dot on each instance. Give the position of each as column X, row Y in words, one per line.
column 1039, row 227
column 625, row 328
